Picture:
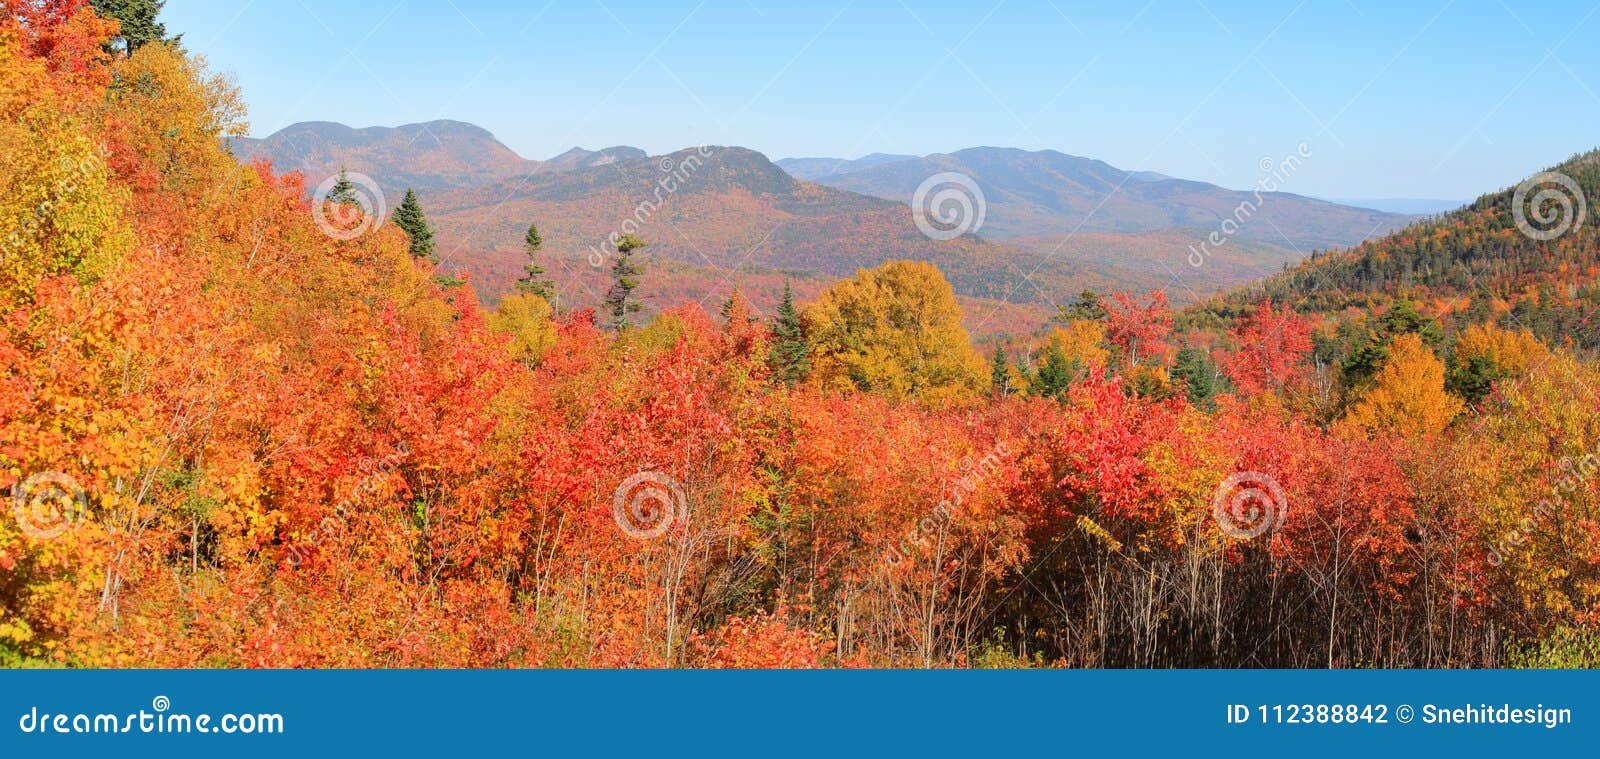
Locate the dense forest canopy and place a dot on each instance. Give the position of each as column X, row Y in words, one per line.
column 241, row 428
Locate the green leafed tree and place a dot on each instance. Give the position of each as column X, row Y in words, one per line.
column 1000, row 373
column 1199, row 376
column 343, row 190
column 138, row 19
column 1089, row 305
column 625, row 279
column 409, row 217
column 1056, row 372
column 533, row 279
column 790, row 356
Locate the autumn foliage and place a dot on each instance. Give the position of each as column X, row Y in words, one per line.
column 292, row 450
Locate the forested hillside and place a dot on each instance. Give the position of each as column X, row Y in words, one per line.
column 1476, row 265
column 241, row 428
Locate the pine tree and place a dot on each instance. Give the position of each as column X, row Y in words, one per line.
column 1089, row 306
column 409, row 218
column 790, row 356
column 626, row 274
column 533, row 280
column 1193, row 366
column 1056, row 374
column 1000, row 373
column 343, row 190
column 139, row 25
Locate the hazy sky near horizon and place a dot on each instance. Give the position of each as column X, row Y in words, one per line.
column 1435, row 99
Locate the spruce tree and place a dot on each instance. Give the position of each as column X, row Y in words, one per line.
column 139, row 25
column 343, row 190
column 1088, row 306
column 1056, row 374
column 790, row 355
column 533, row 280
column 626, row 279
column 1193, row 366
column 409, row 217
column 1000, row 373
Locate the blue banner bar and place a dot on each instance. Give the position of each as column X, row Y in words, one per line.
column 828, row 713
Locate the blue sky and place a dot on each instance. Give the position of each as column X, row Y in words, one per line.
column 1394, row 99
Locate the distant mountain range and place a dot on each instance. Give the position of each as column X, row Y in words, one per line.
column 1414, row 206
column 811, row 169
column 432, row 156
column 719, row 217
column 1045, row 194
column 429, row 156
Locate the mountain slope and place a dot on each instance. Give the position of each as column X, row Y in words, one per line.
column 429, row 156
column 724, row 216
column 578, row 158
column 728, row 216
column 1046, row 193
column 815, row 168
column 1473, row 265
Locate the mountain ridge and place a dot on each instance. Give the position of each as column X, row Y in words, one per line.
column 1048, row 192
column 725, row 215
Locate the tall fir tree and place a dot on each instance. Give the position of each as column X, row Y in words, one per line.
column 533, row 280
column 1194, row 368
column 790, row 355
column 343, row 190
column 138, row 19
column 1000, row 373
column 409, row 217
column 1056, row 374
column 625, row 274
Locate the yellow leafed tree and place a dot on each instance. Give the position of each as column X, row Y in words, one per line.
column 1408, row 395
column 526, row 318
column 1512, row 352
column 894, row 330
